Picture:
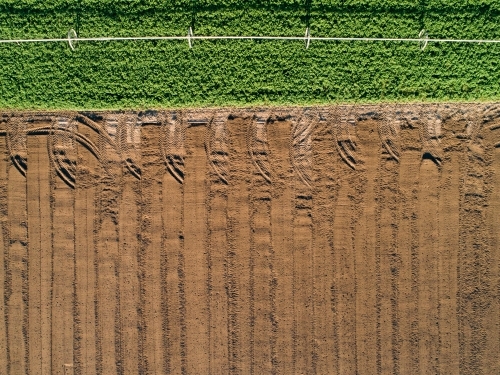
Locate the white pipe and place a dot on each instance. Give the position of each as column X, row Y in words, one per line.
column 341, row 39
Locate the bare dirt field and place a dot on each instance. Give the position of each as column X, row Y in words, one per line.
column 329, row 240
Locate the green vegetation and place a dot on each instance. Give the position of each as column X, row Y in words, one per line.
column 168, row 74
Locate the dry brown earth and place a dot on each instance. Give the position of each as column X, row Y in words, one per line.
column 328, row 240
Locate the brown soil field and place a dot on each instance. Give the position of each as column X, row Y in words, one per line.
column 326, row 240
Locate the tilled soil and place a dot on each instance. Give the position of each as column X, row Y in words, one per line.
column 328, row 240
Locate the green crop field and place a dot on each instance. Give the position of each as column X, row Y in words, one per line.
column 153, row 74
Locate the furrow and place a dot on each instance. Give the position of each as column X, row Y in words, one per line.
column 303, row 278
column 4, row 250
column 408, row 277
column 324, row 196
column 63, row 275
column 107, row 262
column 492, row 321
column 428, row 195
column 448, row 260
column 128, row 271
column 281, row 226
column 106, row 259
column 343, row 285
column 389, row 263
column 365, row 245
column 217, row 150
column 17, row 269
column 217, row 216
column 85, row 201
column 239, row 244
column 261, row 249
column 475, row 290
column 172, row 200
column 151, row 191
column 195, row 253
column 345, row 219
column 37, row 153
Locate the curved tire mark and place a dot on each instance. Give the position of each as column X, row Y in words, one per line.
column 127, row 142
column 62, row 149
column 172, row 146
column 258, row 146
column 301, row 148
column 17, row 145
column 388, row 130
column 430, row 133
column 216, row 146
column 346, row 146
column 95, row 127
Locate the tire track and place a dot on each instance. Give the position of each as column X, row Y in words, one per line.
column 46, row 246
column 388, row 258
column 129, row 249
column 261, row 251
column 427, row 222
column 407, row 247
column 492, row 355
column 218, row 253
column 17, row 258
column 324, row 202
column 85, row 201
column 62, row 152
column 474, row 259
column 345, row 219
column 34, row 252
column 4, row 250
column 449, row 235
column 218, row 297
column 365, row 245
column 173, row 217
column 303, row 334
column 151, row 191
column 303, row 276
column 107, row 296
column 343, row 286
column 38, row 227
column 197, row 324
column 239, row 245
column 107, row 262
column 281, row 227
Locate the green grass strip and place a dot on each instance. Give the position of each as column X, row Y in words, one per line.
column 161, row 74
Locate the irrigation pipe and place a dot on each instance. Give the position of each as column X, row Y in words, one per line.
column 423, row 39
